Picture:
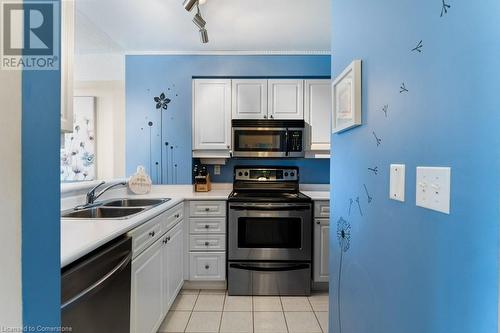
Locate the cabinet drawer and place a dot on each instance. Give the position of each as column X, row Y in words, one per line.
column 322, row 209
column 207, row 266
column 207, row 243
column 146, row 234
column 173, row 216
column 207, row 208
column 207, row 225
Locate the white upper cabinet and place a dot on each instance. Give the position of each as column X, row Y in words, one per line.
column 212, row 116
column 317, row 111
column 67, row 60
column 249, row 99
column 286, row 99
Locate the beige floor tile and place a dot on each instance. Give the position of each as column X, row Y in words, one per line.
column 176, row 321
column 319, row 303
column 190, row 291
column 267, row 303
column 184, row 303
column 238, row 303
column 209, row 303
column 212, row 292
column 269, row 322
column 204, row 322
column 236, row 322
column 302, row 322
column 323, row 320
column 295, row 304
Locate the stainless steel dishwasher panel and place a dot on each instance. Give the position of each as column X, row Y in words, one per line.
column 95, row 291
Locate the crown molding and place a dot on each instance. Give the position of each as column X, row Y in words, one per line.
column 312, row 52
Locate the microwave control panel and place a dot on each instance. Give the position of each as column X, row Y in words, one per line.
column 295, row 141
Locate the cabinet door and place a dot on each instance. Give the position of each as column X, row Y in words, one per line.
column 146, row 313
column 173, row 269
column 67, row 60
column 211, row 114
column 286, row 99
column 321, row 249
column 249, row 99
column 318, row 107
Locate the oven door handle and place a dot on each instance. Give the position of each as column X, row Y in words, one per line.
column 284, row 268
column 271, row 207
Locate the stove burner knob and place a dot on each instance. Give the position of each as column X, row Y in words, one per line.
column 240, row 173
column 246, row 173
column 292, row 174
column 286, row 174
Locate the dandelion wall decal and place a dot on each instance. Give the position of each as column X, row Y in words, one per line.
column 403, row 89
column 344, row 238
column 350, row 205
column 370, row 198
column 359, row 206
column 444, row 8
column 377, row 139
column 374, row 170
column 385, row 109
column 418, row 48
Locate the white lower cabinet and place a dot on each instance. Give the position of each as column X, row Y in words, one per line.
column 207, row 266
column 321, row 249
column 157, row 272
column 146, row 312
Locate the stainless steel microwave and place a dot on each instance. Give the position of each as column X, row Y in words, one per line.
column 268, row 138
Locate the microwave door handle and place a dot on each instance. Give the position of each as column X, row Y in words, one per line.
column 287, row 143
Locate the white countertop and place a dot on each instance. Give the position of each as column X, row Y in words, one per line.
column 80, row 237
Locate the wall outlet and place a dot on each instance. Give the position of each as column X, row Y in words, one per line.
column 433, row 188
column 216, row 169
column 397, row 182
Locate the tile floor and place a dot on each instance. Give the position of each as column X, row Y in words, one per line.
column 201, row 311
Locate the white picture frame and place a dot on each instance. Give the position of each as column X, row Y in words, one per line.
column 346, row 98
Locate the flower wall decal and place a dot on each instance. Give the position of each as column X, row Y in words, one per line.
column 162, row 102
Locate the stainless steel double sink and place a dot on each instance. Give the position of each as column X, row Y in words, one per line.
column 113, row 209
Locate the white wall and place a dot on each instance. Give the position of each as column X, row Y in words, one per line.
column 110, row 125
column 10, row 199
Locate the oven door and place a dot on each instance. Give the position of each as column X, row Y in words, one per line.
column 270, row 231
column 259, row 142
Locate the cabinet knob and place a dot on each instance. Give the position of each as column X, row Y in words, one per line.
column 318, row 222
column 228, row 146
column 165, row 241
column 271, row 116
column 152, row 234
column 207, row 243
column 265, row 117
column 207, row 209
column 168, row 239
column 207, row 266
column 207, row 226
column 177, row 216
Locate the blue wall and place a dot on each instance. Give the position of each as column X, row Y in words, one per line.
column 41, row 224
column 148, row 76
column 312, row 171
column 409, row 269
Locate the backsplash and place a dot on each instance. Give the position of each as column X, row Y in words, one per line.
column 312, row 171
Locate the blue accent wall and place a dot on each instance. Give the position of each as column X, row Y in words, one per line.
column 147, row 76
column 410, row 269
column 41, row 266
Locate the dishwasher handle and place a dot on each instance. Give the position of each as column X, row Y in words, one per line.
column 100, row 282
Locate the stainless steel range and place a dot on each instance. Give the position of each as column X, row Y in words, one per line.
column 269, row 233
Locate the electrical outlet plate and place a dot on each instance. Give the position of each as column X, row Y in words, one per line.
column 397, row 182
column 433, row 188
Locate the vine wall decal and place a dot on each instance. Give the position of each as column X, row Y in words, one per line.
column 344, row 238
column 418, row 48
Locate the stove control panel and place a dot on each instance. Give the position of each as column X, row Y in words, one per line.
column 263, row 174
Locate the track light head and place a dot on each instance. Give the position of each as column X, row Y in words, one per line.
column 189, row 4
column 199, row 21
column 204, row 35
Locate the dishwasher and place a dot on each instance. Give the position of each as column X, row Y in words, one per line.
column 95, row 290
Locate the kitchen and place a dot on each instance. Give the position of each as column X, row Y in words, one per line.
column 249, row 166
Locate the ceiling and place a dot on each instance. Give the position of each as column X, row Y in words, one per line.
column 137, row 26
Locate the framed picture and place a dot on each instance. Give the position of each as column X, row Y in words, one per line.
column 346, row 95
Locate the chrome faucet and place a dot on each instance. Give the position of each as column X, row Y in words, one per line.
column 92, row 196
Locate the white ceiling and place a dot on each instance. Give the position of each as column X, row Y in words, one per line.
column 136, row 26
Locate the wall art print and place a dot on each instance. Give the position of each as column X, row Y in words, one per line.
column 346, row 95
column 78, row 149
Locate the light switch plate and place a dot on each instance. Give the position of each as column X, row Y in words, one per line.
column 433, row 188
column 397, row 182
column 216, row 169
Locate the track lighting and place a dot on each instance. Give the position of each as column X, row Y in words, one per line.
column 189, row 4
column 199, row 21
column 204, row 35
